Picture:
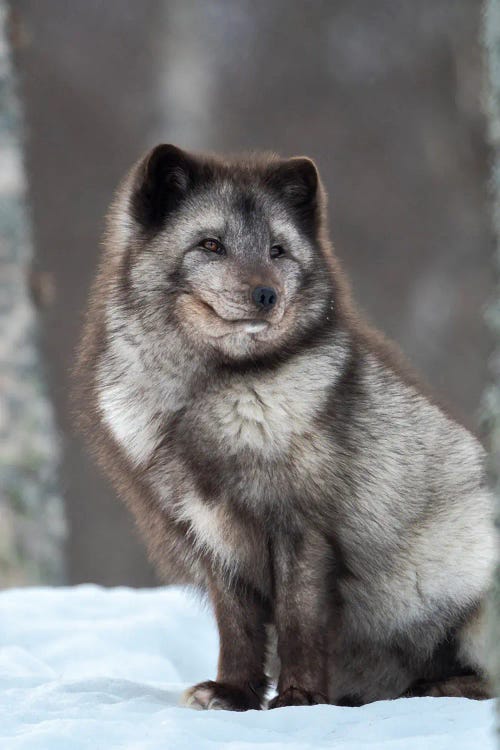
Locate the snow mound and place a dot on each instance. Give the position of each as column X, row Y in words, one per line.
column 91, row 668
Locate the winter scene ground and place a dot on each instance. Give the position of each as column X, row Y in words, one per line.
column 90, row 668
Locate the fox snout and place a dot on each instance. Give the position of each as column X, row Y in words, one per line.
column 242, row 298
column 264, row 297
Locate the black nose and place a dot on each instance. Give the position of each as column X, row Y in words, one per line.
column 265, row 297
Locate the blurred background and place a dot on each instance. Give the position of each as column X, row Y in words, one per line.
column 384, row 95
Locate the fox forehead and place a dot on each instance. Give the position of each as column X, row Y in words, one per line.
column 236, row 214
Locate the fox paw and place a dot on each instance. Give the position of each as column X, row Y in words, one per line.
column 220, row 696
column 294, row 696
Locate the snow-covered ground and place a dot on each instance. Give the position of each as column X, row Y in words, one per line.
column 91, row 668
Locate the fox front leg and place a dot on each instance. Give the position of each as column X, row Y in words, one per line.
column 302, row 612
column 241, row 683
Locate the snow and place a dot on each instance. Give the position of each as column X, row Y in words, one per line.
column 88, row 667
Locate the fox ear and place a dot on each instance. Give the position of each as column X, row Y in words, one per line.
column 297, row 181
column 164, row 177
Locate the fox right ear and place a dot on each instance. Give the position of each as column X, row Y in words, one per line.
column 163, row 179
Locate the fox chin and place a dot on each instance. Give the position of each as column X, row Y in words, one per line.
column 276, row 451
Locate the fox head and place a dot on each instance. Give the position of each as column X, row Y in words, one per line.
column 230, row 252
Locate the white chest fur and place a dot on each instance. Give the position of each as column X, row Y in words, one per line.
column 259, row 412
column 264, row 412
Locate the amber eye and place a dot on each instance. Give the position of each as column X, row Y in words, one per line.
column 277, row 251
column 213, row 246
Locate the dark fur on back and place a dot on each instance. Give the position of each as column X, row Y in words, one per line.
column 283, row 459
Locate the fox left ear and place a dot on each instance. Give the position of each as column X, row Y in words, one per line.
column 297, row 180
column 163, row 179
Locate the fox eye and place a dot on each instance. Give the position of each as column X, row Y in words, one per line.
column 277, row 251
column 213, row 246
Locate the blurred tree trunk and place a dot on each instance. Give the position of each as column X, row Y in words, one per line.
column 491, row 34
column 31, row 516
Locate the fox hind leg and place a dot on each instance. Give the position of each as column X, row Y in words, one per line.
column 463, row 686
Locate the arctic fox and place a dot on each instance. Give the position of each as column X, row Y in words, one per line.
column 274, row 449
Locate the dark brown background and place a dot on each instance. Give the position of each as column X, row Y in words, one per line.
column 384, row 95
